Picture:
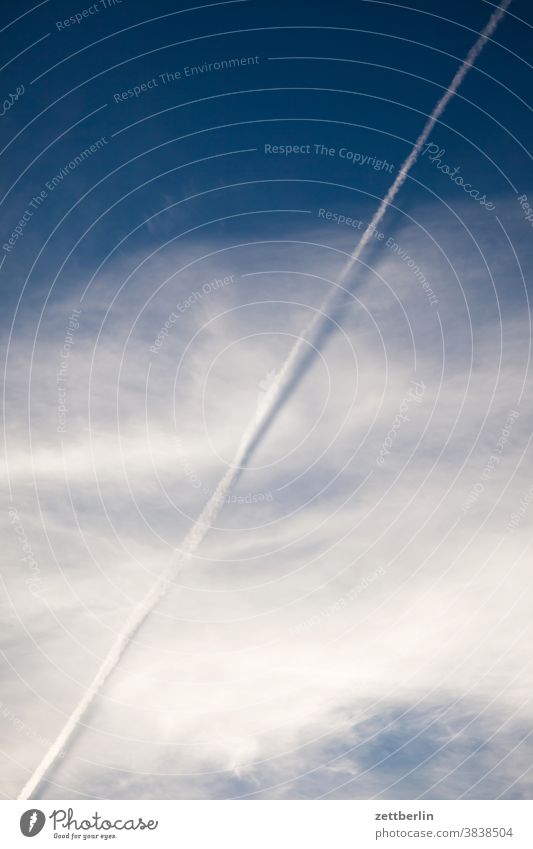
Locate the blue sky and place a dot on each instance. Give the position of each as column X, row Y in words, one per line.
column 356, row 622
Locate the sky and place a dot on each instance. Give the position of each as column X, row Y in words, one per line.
column 181, row 189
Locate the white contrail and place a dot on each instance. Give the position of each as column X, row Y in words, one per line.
column 458, row 78
column 145, row 607
column 248, row 440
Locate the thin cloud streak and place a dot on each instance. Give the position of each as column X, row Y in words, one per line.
column 276, row 396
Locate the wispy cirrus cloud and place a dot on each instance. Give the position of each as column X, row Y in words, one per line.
column 261, row 664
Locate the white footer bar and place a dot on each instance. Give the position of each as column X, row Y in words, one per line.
column 269, row 824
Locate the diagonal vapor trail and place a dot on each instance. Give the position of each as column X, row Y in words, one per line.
column 277, row 394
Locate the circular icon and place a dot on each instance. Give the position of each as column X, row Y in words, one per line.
column 32, row 822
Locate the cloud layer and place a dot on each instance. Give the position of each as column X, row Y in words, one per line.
column 351, row 625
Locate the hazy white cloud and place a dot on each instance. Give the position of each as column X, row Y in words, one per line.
column 314, row 614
